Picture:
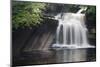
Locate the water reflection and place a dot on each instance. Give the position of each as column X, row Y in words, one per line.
column 71, row 55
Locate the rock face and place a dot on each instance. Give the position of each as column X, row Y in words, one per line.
column 35, row 42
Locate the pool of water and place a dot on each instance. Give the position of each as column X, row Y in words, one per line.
column 53, row 56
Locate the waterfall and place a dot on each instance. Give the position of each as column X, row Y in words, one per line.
column 82, row 9
column 74, row 33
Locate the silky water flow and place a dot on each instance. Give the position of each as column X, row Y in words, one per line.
column 71, row 37
column 72, row 28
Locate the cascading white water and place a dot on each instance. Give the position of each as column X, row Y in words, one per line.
column 74, row 31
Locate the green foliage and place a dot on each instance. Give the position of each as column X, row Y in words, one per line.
column 91, row 14
column 91, row 10
column 26, row 14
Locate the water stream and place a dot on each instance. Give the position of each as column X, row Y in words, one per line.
column 74, row 31
column 71, row 37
